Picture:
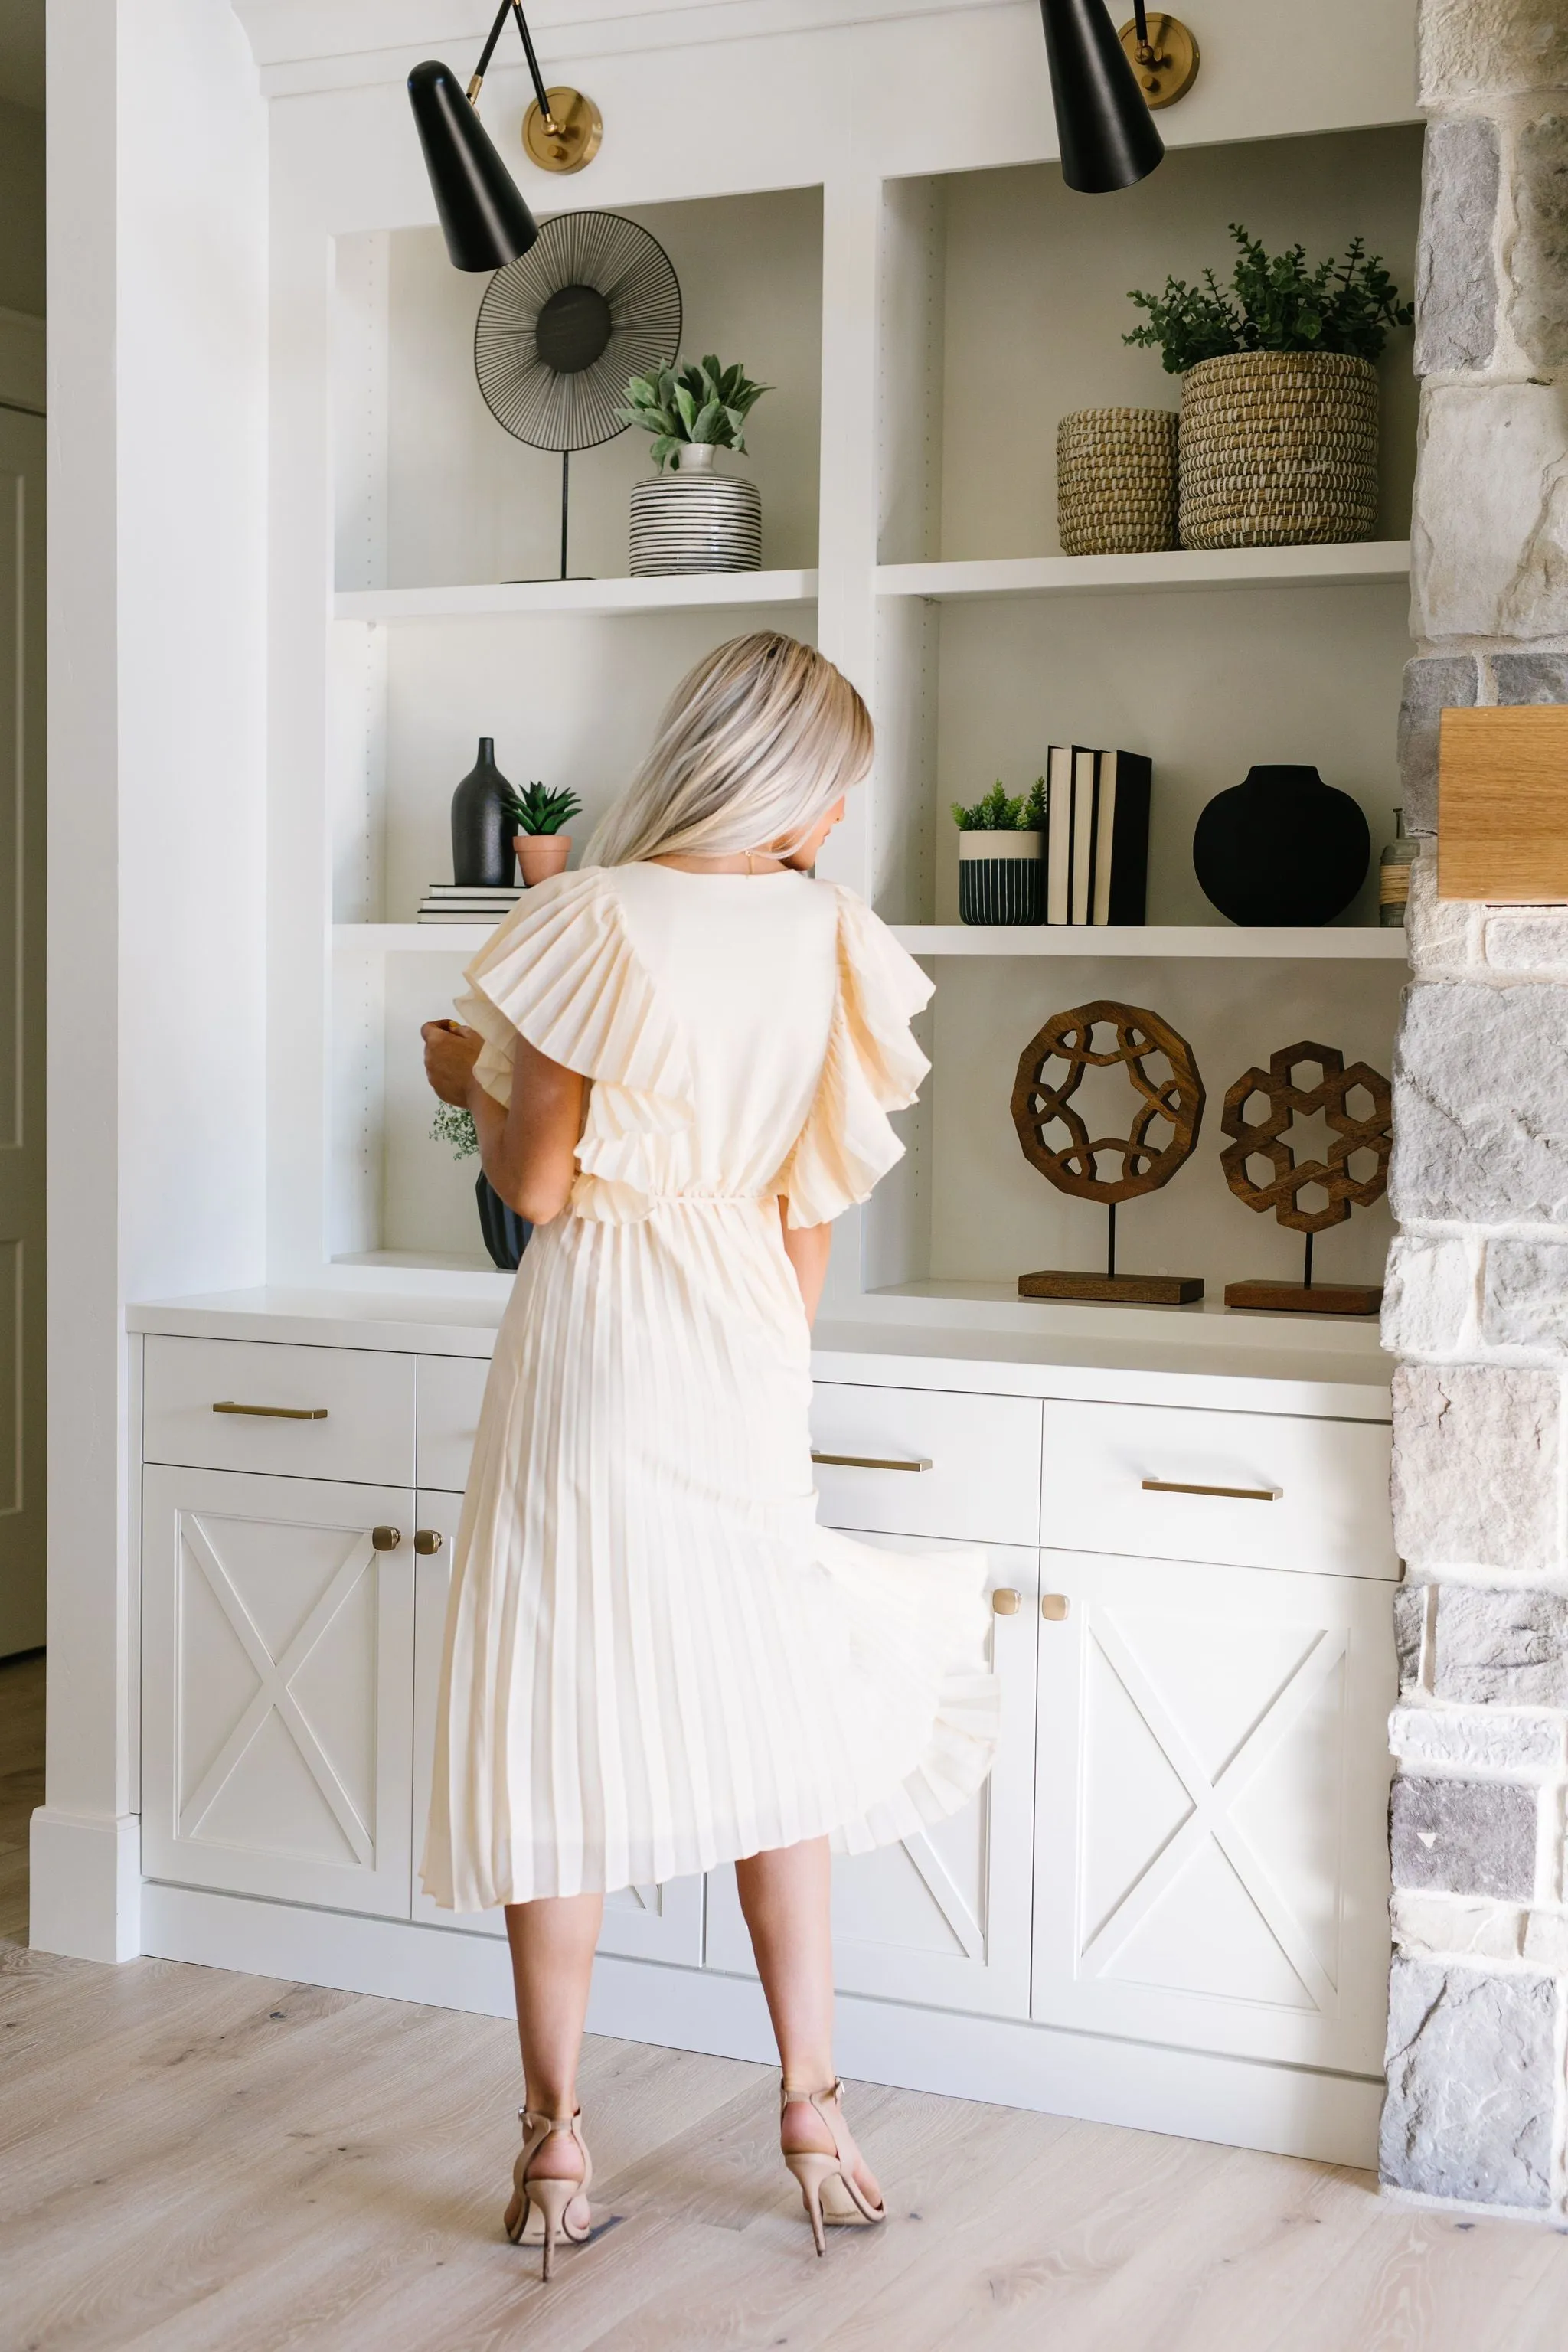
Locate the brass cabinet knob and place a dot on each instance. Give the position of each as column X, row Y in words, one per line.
column 1005, row 1602
column 1054, row 1607
column 427, row 1540
column 386, row 1538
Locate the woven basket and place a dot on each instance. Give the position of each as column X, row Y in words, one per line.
column 1279, row 449
column 1116, row 481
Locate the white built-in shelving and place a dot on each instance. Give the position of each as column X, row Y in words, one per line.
column 1189, row 568
column 709, row 592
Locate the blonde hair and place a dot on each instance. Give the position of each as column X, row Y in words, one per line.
column 755, row 746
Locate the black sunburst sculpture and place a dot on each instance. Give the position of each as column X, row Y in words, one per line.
column 592, row 301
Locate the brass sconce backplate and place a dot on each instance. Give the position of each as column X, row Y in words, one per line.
column 1171, row 69
column 574, row 140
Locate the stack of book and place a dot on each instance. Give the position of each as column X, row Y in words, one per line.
column 460, row 902
column 1097, row 835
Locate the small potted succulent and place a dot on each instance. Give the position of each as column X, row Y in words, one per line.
column 694, row 520
column 1002, row 856
column 1277, row 440
column 506, row 1235
column 542, row 847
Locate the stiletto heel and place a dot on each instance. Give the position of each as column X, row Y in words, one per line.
column 828, row 2189
column 538, row 2209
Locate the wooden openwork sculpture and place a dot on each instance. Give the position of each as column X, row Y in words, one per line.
column 1352, row 1133
column 1162, row 1133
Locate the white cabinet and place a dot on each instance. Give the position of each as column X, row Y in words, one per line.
column 942, row 1918
column 305, row 1413
column 451, row 1390
column 926, row 1462
column 278, row 1642
column 1211, row 1865
column 653, row 1922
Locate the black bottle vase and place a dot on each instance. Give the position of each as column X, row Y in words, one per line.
column 482, row 854
column 507, row 1235
column 1281, row 847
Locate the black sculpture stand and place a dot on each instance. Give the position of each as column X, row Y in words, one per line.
column 1307, row 1296
column 1114, row 1289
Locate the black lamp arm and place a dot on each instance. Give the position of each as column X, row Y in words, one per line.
column 1141, row 23
column 514, row 9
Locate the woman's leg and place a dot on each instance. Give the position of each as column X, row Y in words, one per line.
column 553, row 1945
column 786, row 1895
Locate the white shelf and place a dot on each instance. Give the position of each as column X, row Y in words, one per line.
column 685, row 593
column 1354, row 943
column 411, row 938
column 1185, row 568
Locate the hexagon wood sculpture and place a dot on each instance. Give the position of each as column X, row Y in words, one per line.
column 1043, row 1101
column 1264, row 1139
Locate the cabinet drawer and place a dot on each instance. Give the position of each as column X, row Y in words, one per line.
column 451, row 1389
column 311, row 1412
column 1305, row 1495
column 925, row 1462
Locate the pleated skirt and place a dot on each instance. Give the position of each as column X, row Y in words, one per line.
column 655, row 1660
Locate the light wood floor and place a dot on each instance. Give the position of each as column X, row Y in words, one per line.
column 194, row 2159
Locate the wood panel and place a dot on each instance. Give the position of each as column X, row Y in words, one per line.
column 1502, row 804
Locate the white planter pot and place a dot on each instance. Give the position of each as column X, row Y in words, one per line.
column 1001, row 877
column 696, row 520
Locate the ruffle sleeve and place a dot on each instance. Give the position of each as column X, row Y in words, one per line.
column 872, row 1067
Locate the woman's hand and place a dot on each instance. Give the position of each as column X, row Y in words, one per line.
column 450, row 1053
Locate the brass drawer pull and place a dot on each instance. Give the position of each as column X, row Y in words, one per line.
column 1231, row 1494
column 276, row 1412
column 869, row 1462
column 386, row 1538
column 1054, row 1607
column 427, row 1541
column 1005, row 1601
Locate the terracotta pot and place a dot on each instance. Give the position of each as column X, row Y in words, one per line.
column 541, row 854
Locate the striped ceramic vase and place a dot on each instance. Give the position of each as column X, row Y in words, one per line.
column 696, row 520
column 1001, row 877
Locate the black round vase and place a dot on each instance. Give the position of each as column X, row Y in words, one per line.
column 506, row 1234
column 482, row 854
column 1281, row 847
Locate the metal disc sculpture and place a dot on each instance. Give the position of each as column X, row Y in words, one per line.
column 1162, row 1133
column 593, row 300
column 1352, row 1134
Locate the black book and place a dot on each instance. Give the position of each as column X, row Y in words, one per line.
column 1121, row 837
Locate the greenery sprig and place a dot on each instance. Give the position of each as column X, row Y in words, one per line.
column 1274, row 303
column 704, row 402
column 537, row 811
column 454, row 1126
column 1000, row 812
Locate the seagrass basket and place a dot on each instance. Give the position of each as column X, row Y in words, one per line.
column 1279, row 449
column 1116, row 481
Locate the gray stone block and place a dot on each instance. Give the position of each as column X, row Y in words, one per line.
column 1428, row 1297
column 1538, row 258
column 1495, row 566
column 1480, row 1108
column 1534, row 940
column 1433, row 683
column 1409, row 1632
column 1456, row 273
column 1485, row 48
column 1539, row 676
column 1524, row 1296
column 1471, row 2084
column 1456, row 1927
column 1463, row 1837
column 1477, row 1453
column 1501, row 1649
column 1442, row 936
column 1477, row 1739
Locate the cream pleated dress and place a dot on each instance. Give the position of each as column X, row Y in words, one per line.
column 656, row 1659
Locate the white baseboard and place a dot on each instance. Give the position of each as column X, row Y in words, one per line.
column 84, row 1895
column 1239, row 2102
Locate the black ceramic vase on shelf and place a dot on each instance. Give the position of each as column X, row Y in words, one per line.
column 482, row 825
column 1281, row 847
column 507, row 1235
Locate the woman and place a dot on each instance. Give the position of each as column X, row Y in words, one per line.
column 680, row 1063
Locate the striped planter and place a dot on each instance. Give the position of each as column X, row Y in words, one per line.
column 696, row 520
column 507, row 1235
column 1001, row 877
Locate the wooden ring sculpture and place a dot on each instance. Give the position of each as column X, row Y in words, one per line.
column 1264, row 1139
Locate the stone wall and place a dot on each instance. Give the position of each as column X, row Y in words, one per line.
column 1477, row 1305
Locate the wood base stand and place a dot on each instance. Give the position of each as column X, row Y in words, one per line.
column 1115, row 1289
column 1304, row 1299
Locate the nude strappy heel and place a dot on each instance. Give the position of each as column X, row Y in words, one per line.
column 542, row 2205
column 829, row 2188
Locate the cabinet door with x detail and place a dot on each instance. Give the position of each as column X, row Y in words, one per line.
column 1211, row 1845
column 278, row 1664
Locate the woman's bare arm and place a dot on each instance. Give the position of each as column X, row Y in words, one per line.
column 528, row 1149
column 806, row 1248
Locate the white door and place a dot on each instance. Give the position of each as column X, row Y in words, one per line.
column 1212, row 1852
column 645, row 1923
column 278, row 1622
column 22, row 817
column 942, row 1918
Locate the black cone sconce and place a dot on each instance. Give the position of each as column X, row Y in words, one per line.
column 482, row 213
column 1108, row 140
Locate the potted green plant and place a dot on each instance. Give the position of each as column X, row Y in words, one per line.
column 506, row 1235
column 694, row 520
column 1001, row 856
column 1278, row 430
column 542, row 847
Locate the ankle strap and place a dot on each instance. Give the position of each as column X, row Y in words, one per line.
column 531, row 2120
column 834, row 2090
